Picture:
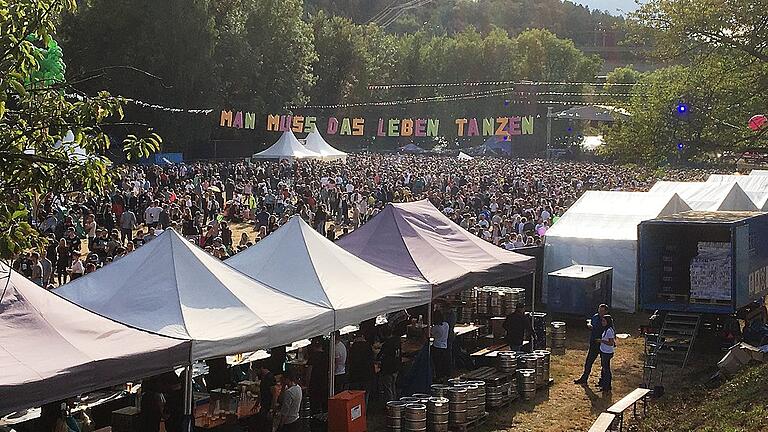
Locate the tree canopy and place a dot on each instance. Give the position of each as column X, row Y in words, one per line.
column 720, row 77
column 52, row 139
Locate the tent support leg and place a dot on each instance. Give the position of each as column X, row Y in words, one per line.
column 188, row 424
column 332, row 365
column 533, row 306
column 429, row 335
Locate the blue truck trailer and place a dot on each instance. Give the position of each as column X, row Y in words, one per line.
column 675, row 275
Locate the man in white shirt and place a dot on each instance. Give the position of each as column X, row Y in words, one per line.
column 340, row 364
column 152, row 214
column 290, row 402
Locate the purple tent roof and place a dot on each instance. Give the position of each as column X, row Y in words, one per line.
column 51, row 349
column 417, row 240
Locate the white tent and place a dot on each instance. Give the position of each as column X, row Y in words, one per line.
column 755, row 186
column 301, row 262
column 758, row 172
column 174, row 288
column 287, row 147
column 464, row 156
column 601, row 229
column 316, row 143
column 592, row 142
column 706, row 196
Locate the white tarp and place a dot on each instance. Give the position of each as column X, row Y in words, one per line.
column 758, row 172
column 755, row 186
column 299, row 261
column 171, row 287
column 316, row 143
column 705, row 196
column 287, row 147
column 464, row 156
column 601, row 229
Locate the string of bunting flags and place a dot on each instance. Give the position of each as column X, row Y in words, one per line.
column 462, row 96
column 492, row 83
column 147, row 105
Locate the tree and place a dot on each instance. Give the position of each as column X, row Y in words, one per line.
column 658, row 133
column 35, row 116
column 691, row 28
column 545, row 57
column 722, row 44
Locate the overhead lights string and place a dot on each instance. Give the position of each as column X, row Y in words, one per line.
column 494, row 83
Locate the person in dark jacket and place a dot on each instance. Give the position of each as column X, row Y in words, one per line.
column 596, row 327
column 360, row 368
column 390, row 359
column 518, row 326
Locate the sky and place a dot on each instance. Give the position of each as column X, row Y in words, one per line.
column 610, row 5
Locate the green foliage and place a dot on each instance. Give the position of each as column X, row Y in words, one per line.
column 35, row 116
column 724, row 82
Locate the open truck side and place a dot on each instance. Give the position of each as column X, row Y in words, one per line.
column 702, row 271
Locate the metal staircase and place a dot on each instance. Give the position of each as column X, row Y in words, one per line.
column 671, row 346
column 676, row 338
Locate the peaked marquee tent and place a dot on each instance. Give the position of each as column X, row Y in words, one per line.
column 287, row 147
column 174, row 288
column 755, row 186
column 52, row 349
column 299, row 261
column 706, row 196
column 601, row 229
column 464, row 156
column 412, row 148
column 416, row 240
column 316, row 143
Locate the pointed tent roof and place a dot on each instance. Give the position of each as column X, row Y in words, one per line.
column 412, row 148
column 708, row 196
column 613, row 215
column 464, row 156
column 299, row 261
column 316, row 143
column 755, row 186
column 52, row 349
column 417, row 240
column 174, row 288
column 287, row 147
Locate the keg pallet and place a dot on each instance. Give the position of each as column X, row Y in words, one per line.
column 468, row 426
column 505, row 402
column 549, row 383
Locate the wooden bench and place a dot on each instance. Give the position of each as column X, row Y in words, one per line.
column 631, row 399
column 603, row 423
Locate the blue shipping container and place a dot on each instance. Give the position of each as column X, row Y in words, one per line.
column 669, row 247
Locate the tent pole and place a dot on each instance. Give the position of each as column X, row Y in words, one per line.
column 533, row 306
column 332, row 365
column 188, row 419
column 429, row 334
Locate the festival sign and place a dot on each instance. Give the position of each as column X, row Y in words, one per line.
column 383, row 127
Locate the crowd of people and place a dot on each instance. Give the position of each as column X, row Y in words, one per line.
column 510, row 203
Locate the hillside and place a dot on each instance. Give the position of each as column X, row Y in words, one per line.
column 740, row 404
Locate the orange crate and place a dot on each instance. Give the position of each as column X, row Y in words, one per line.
column 346, row 412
